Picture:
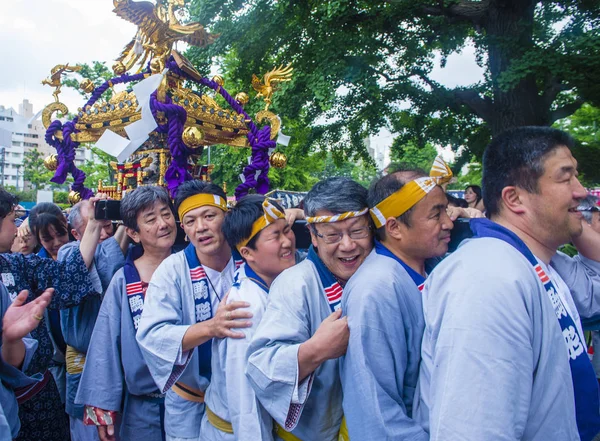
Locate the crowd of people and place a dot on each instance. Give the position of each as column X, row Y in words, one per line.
column 375, row 332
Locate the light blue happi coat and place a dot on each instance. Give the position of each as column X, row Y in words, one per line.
column 115, row 376
column 582, row 276
column 11, row 378
column 230, row 394
column 495, row 365
column 77, row 323
column 169, row 311
column 312, row 409
column 380, row 369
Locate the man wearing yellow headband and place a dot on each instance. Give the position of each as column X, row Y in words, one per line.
column 185, row 308
column 257, row 227
column 293, row 357
column 383, row 304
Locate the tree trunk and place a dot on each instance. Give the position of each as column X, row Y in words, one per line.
column 509, row 34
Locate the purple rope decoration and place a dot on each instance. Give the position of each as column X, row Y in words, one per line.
column 65, row 149
column 260, row 140
column 177, row 173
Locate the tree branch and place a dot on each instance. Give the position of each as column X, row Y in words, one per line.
column 483, row 107
column 566, row 110
column 553, row 87
column 463, row 11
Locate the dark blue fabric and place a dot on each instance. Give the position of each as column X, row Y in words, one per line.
column 382, row 250
column 205, row 349
column 256, row 278
column 54, row 317
column 585, row 385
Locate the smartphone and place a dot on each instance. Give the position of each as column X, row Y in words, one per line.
column 108, row 210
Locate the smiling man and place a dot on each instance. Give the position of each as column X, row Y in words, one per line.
column 257, row 228
column 383, row 303
column 293, row 357
column 503, row 354
column 115, row 379
column 185, row 308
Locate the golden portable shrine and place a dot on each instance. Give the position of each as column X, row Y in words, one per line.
column 159, row 127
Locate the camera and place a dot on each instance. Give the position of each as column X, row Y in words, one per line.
column 108, row 210
column 460, row 232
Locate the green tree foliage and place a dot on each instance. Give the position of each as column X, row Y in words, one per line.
column 365, row 64
column 412, row 155
column 98, row 170
column 34, row 170
column 97, row 72
column 584, row 125
column 471, row 177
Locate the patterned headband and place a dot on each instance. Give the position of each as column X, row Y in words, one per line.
column 270, row 214
column 336, row 217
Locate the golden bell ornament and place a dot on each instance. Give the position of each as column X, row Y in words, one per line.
column 74, row 197
column 51, row 162
column 278, row 160
column 219, row 80
column 87, row 86
column 192, row 137
column 118, row 68
column 157, row 64
column 242, row 98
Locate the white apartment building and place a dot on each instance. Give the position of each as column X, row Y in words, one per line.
column 26, row 133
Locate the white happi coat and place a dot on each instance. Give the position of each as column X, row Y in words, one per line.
column 230, row 395
column 495, row 365
column 380, row 369
column 168, row 313
column 312, row 409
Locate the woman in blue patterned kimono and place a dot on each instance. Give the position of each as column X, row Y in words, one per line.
column 40, row 408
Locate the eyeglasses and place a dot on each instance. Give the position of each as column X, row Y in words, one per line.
column 355, row 234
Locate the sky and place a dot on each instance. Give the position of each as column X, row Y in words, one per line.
column 36, row 35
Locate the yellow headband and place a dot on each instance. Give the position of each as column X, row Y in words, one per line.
column 412, row 192
column 336, row 218
column 200, row 200
column 271, row 214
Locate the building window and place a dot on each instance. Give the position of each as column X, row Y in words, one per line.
column 16, row 143
column 30, row 144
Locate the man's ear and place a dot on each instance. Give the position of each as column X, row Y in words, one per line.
column 313, row 236
column 75, row 234
column 134, row 235
column 512, row 199
column 394, row 228
column 247, row 254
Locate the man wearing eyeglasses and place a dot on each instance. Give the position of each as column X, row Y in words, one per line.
column 293, row 356
column 383, row 304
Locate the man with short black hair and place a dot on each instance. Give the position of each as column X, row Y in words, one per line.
column 496, row 365
column 185, row 308
column 382, row 301
column 258, row 229
column 293, row 357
